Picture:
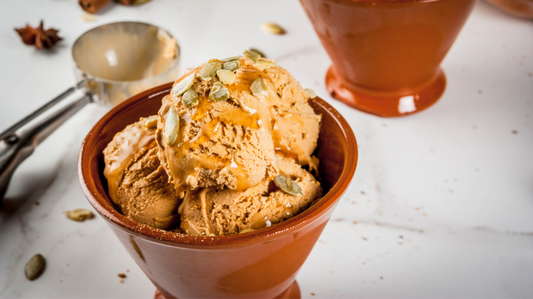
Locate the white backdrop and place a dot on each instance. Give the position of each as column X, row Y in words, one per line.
column 441, row 204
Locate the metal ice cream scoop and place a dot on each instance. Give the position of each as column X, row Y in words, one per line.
column 112, row 62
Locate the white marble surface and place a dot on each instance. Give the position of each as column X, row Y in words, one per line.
column 441, row 204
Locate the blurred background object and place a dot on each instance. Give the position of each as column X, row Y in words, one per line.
column 517, row 8
column 386, row 54
column 112, row 63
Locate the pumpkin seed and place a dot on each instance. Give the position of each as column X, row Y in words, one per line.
column 151, row 122
column 254, row 56
column 285, row 183
column 258, row 52
column 139, row 2
column 263, row 64
column 226, row 77
column 273, row 28
column 190, row 98
column 79, row 214
column 232, row 65
column 231, row 58
column 183, row 85
column 171, row 126
column 88, row 18
column 310, row 93
column 35, row 267
column 218, row 92
column 258, row 87
column 209, row 70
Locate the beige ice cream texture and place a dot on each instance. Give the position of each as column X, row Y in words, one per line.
column 216, row 158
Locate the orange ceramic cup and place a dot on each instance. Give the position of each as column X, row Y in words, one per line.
column 386, row 53
column 260, row 264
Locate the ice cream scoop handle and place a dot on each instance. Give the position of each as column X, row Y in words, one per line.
column 17, row 147
column 7, row 133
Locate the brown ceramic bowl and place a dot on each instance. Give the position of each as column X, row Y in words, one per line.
column 260, row 264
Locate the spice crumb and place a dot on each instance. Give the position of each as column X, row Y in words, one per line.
column 128, row 271
column 381, row 278
column 313, row 294
column 121, row 280
column 515, row 132
column 37, row 203
column 122, row 275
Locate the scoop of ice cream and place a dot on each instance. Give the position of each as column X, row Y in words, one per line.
column 296, row 126
column 217, row 212
column 215, row 128
column 137, row 183
column 227, row 147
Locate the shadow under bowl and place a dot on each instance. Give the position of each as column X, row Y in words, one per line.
column 259, row 264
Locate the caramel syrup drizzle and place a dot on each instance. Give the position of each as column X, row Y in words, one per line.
column 249, row 114
column 134, row 141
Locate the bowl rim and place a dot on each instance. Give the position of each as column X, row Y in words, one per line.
column 98, row 198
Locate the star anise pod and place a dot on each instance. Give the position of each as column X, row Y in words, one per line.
column 38, row 36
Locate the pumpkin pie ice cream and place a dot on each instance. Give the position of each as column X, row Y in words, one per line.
column 230, row 151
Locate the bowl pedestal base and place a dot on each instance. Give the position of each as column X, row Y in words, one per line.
column 387, row 104
column 292, row 292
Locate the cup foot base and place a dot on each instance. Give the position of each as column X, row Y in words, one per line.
column 389, row 104
column 292, row 292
